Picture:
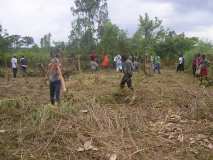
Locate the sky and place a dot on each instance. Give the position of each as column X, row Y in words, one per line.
column 38, row 17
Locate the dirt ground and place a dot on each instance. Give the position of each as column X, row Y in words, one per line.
column 168, row 117
column 36, row 88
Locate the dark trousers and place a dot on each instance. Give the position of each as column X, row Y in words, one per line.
column 180, row 67
column 157, row 67
column 14, row 72
column 24, row 71
column 194, row 70
column 55, row 87
column 126, row 79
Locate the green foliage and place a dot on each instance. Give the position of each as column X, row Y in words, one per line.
column 113, row 40
column 150, row 32
column 4, row 41
column 174, row 45
column 202, row 48
column 45, row 42
column 88, row 25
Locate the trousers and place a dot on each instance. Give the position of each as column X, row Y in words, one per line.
column 55, row 87
column 127, row 79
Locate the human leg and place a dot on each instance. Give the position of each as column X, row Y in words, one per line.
column 124, row 80
column 14, row 72
column 129, row 82
column 52, row 91
column 57, row 91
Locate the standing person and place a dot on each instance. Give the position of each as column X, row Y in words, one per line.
column 56, row 80
column 157, row 64
column 93, row 66
column 23, row 65
column 105, row 63
column 183, row 64
column 93, row 56
column 128, row 72
column 152, row 63
column 93, row 61
column 194, row 65
column 136, row 65
column 14, row 62
column 118, row 62
column 198, row 64
column 204, row 69
column 180, row 63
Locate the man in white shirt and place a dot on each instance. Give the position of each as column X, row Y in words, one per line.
column 14, row 66
column 180, row 66
column 118, row 62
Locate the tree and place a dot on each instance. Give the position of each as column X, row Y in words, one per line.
column 149, row 32
column 174, row 44
column 60, row 45
column 4, row 40
column 27, row 41
column 45, row 41
column 88, row 25
column 113, row 39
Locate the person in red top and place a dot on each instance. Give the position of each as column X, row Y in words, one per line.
column 105, row 62
column 198, row 64
column 204, row 68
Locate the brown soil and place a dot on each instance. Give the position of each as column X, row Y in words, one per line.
column 168, row 117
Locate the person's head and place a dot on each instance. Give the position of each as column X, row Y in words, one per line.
column 57, row 56
column 22, row 56
column 124, row 58
column 54, row 61
column 204, row 56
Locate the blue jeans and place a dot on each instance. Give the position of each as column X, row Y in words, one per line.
column 55, row 87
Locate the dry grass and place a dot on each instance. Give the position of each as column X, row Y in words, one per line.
column 168, row 117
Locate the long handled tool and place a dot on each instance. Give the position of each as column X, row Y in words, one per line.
column 62, row 80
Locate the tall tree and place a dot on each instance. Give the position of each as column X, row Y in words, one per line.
column 174, row 44
column 113, row 40
column 149, row 32
column 87, row 27
column 45, row 41
column 27, row 41
column 4, row 40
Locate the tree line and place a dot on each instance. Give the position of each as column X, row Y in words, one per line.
column 92, row 30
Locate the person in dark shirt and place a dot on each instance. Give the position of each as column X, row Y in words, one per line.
column 23, row 65
column 194, row 65
column 127, row 68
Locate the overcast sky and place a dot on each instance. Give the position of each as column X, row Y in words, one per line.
column 38, row 17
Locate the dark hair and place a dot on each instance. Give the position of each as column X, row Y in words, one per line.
column 203, row 56
column 124, row 58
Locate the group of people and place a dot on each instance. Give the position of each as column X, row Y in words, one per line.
column 124, row 63
column 200, row 67
column 22, row 65
column 94, row 61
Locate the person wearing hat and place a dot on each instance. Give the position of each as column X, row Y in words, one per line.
column 56, row 80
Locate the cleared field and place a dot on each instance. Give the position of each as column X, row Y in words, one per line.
column 168, row 117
